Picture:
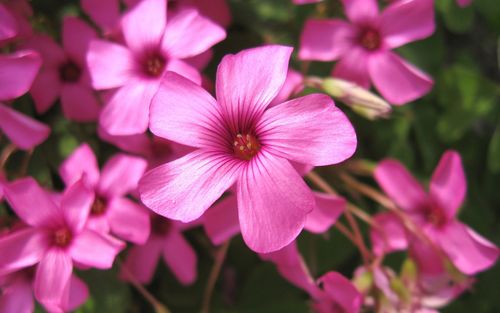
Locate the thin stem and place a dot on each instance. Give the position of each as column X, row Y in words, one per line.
column 220, row 257
column 5, row 155
column 158, row 306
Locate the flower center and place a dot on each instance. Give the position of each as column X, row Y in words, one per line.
column 70, row 72
column 98, row 207
column 154, row 65
column 159, row 225
column 370, row 39
column 246, row 146
column 62, row 237
column 435, row 216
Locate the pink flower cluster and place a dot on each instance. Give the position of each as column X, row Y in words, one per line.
column 232, row 162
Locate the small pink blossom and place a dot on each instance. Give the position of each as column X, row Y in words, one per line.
column 55, row 237
column 363, row 46
column 241, row 141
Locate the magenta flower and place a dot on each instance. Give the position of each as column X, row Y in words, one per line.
column 17, row 72
column 363, row 46
column 165, row 240
column 19, row 13
column 153, row 48
column 64, row 73
column 8, row 25
column 55, row 238
column 435, row 212
column 111, row 209
column 241, row 141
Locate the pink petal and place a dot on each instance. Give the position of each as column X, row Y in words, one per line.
column 76, row 37
column 81, row 161
column 361, row 11
column 95, row 250
column 390, row 237
column 76, row 203
column 201, row 61
column 400, row 185
column 79, row 103
column 52, row 277
column 120, row 175
column 448, row 184
column 185, row 188
column 21, row 249
column 221, row 220
column 429, row 262
column 184, row 112
column 326, row 40
column 188, row 34
column 328, row 209
column 468, row 251
column 52, row 54
column 353, row 66
column 105, row 14
column 144, row 24
column 22, row 130
column 31, row 203
column 397, row 81
column 309, row 130
column 142, row 260
column 17, row 297
column 217, row 10
column 110, row 65
column 8, row 25
column 45, row 89
column 127, row 112
column 342, row 291
column 18, row 73
column 180, row 257
column 273, row 202
column 406, row 21
column 78, row 293
column 185, row 69
column 247, row 83
column 293, row 85
column 128, row 220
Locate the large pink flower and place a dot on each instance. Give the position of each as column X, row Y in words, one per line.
column 55, row 238
column 240, row 140
column 64, row 72
column 363, row 46
column 435, row 213
column 111, row 209
column 153, row 48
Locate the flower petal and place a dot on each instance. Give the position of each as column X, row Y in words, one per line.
column 78, row 293
column 129, row 220
column 391, row 235
column 326, row 212
column 406, row 21
column 95, row 249
column 247, row 82
column 184, row 69
column 52, row 277
column 120, row 175
column 8, row 25
column 398, row 81
column 361, row 11
column 21, row 249
column 105, row 14
column 185, row 188
column 17, row 297
column 468, row 251
column 180, row 257
column 52, row 54
column 79, row 103
column 188, row 34
column 76, row 203
column 221, row 220
column 45, row 89
column 81, row 161
column 142, row 260
column 76, row 37
column 309, row 130
column 342, row 291
column 353, row 66
column 31, row 203
column 144, row 24
column 127, row 112
column 326, row 40
column 448, row 184
column 18, row 73
column 110, row 65
column 400, row 185
column 184, row 112
column 273, row 202
column 21, row 129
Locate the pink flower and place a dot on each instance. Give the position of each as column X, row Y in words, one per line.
column 54, row 238
column 8, row 25
column 363, row 46
column 435, row 213
column 111, row 209
column 241, row 141
column 64, row 72
column 165, row 240
column 153, row 48
column 17, row 72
